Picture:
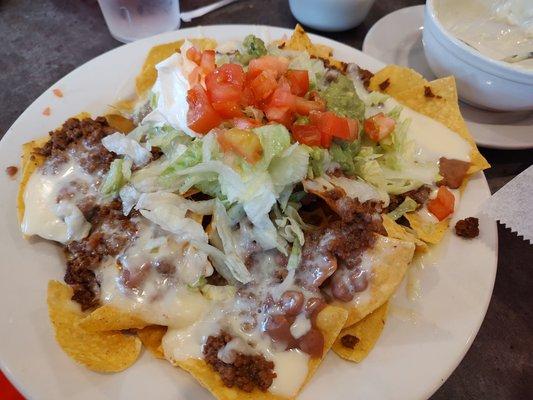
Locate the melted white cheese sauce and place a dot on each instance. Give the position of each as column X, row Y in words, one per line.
column 496, row 28
column 432, row 139
column 44, row 216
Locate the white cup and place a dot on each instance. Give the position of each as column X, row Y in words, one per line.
column 130, row 20
column 330, row 15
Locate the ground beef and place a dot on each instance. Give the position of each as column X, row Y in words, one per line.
column 349, row 341
column 11, row 171
column 336, row 248
column 453, row 172
column 467, row 228
column 246, row 372
column 349, row 208
column 111, row 231
column 81, row 139
column 384, row 85
column 420, row 195
column 365, row 76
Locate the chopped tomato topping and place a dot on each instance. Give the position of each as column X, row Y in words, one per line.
column 228, row 109
column 207, row 61
column 331, row 125
column 277, row 65
column 225, row 83
column 263, row 85
column 442, row 205
column 282, row 97
column 299, row 81
column 201, row 116
column 194, row 55
column 194, row 76
column 282, row 115
column 245, row 123
column 241, row 142
column 379, row 126
column 306, row 134
column 304, row 107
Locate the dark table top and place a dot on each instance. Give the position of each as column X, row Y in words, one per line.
column 44, row 40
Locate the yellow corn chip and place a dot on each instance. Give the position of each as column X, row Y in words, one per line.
column 395, row 79
column 429, row 232
column 151, row 337
column 330, row 321
column 146, row 79
column 397, row 231
column 367, row 332
column 108, row 318
column 100, row 352
column 390, row 260
column 120, row 123
column 444, row 107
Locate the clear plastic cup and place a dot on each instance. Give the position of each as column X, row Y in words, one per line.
column 130, row 20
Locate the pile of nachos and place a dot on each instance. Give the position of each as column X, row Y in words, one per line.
column 255, row 206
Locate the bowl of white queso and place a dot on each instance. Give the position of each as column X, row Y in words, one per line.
column 470, row 38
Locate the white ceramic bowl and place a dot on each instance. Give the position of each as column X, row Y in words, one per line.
column 481, row 81
column 330, row 15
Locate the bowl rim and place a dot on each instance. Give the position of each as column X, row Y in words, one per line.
column 477, row 60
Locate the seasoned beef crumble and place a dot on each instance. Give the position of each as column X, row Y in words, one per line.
column 349, row 341
column 83, row 139
column 110, row 233
column 246, row 372
column 467, row 228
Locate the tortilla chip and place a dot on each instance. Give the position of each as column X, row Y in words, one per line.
column 398, row 231
column 390, row 260
column 368, row 331
column 395, row 79
column 29, row 163
column 146, row 79
column 108, row 318
column 100, row 352
column 444, row 107
column 330, row 321
column 300, row 41
column 429, row 232
column 120, row 123
column 151, row 337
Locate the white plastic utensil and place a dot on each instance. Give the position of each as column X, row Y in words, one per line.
column 189, row 15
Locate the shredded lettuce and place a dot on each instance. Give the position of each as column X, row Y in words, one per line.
column 274, row 140
column 118, row 175
column 121, row 144
column 408, row 205
column 289, row 168
column 166, row 138
column 319, row 161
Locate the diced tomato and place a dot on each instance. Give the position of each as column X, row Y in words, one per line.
column 201, row 116
column 299, row 81
column 282, row 97
column 304, row 107
column 194, row 76
column 282, row 115
column 278, row 65
column 306, row 134
column 263, row 85
column 242, row 142
column 353, row 128
column 442, row 205
column 379, row 126
column 207, row 62
column 225, row 83
column 228, row 109
column 245, row 123
column 331, row 125
column 194, row 55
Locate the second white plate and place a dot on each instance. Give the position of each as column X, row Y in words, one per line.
column 397, row 39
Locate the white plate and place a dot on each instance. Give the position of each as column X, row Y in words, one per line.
column 423, row 341
column 397, row 39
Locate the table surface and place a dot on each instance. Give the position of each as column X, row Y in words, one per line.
column 44, row 40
